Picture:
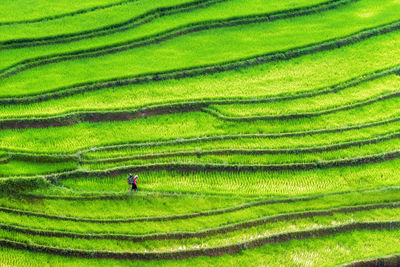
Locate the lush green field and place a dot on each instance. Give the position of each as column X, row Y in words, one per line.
column 264, row 133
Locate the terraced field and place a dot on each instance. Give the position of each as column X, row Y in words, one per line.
column 264, row 133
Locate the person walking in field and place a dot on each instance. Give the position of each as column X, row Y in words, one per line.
column 132, row 181
column 134, row 185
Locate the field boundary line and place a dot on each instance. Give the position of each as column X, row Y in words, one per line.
column 203, row 232
column 387, row 261
column 205, row 69
column 98, row 196
column 308, row 114
column 178, row 141
column 192, row 167
column 212, row 167
column 311, row 149
column 69, row 14
column 178, row 31
column 161, row 218
column 109, row 29
column 79, row 116
column 212, row 251
column 144, row 156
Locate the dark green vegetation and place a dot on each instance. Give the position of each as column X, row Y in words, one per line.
column 263, row 132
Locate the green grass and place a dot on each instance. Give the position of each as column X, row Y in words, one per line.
column 327, row 251
column 212, row 241
column 3, row 156
column 365, row 122
column 250, row 142
column 17, row 167
column 362, row 92
column 262, row 159
column 17, row 10
column 83, row 22
column 217, row 11
column 204, row 222
column 201, row 48
column 183, row 126
column 128, row 11
column 242, row 146
column 143, row 204
column 150, row 204
column 317, row 70
column 256, row 183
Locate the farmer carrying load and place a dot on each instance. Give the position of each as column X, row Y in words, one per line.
column 132, row 181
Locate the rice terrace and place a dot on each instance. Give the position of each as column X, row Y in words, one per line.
column 199, row 133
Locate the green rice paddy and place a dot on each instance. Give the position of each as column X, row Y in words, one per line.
column 264, row 133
